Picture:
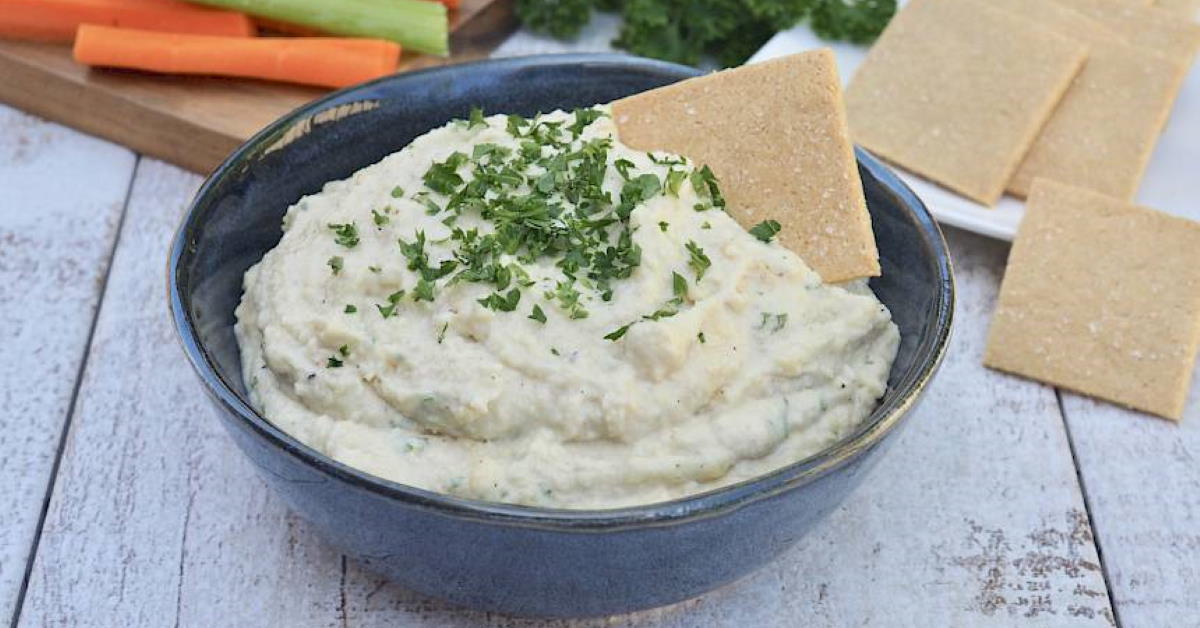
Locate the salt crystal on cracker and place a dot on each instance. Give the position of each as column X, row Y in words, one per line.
column 1101, row 297
column 775, row 135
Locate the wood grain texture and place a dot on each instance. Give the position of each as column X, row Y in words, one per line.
column 150, row 486
column 61, row 197
column 194, row 122
column 1143, row 482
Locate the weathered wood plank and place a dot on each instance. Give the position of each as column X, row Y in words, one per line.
column 61, row 197
column 1142, row 477
column 156, row 519
column 973, row 518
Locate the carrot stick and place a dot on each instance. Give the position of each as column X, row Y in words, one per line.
column 322, row 61
column 57, row 20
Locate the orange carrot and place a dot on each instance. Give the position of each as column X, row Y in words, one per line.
column 323, row 61
column 57, row 20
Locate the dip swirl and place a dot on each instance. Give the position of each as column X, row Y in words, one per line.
column 527, row 311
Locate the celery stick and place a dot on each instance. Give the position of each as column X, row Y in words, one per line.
column 418, row 25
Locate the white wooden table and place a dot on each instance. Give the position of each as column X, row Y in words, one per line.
column 124, row 503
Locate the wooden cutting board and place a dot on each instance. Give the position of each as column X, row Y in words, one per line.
column 194, row 122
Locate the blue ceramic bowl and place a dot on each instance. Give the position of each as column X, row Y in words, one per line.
column 500, row 557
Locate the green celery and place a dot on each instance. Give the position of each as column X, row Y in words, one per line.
column 417, row 25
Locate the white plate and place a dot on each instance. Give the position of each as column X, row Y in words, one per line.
column 1171, row 183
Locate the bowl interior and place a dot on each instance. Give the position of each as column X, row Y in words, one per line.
column 237, row 213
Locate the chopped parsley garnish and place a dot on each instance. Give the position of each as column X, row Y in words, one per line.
column 389, row 310
column 344, row 350
column 431, row 207
column 336, row 263
column 475, row 118
column 502, row 302
column 679, row 286
column 333, row 362
column 616, row 334
column 350, row 309
column 442, row 332
column 700, row 337
column 397, row 192
column 443, row 177
column 424, row 291
column 375, row 269
column 345, row 234
column 543, row 202
column 583, row 118
column 675, row 179
column 765, row 230
column 706, row 225
column 554, row 351
column 663, row 225
column 623, row 166
column 776, row 322
column 697, row 259
column 705, row 183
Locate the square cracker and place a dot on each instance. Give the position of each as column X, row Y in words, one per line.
column 956, row 91
column 1101, row 297
column 1145, row 26
column 775, row 135
column 1104, row 129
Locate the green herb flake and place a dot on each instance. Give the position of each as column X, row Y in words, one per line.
column 442, row 177
column 675, row 179
column 442, row 332
column 700, row 337
column 345, row 234
column 336, row 263
column 475, row 118
column 663, row 225
column 375, row 269
column 344, row 350
column 333, row 362
column 538, row 315
column 397, row 192
column 380, row 219
column 679, row 286
column 775, row 322
column 765, row 230
column 698, row 261
column 705, row 183
column 502, row 302
column 618, row 333
column 424, row 291
column 386, row 311
column 350, row 309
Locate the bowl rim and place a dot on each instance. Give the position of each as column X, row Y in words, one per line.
column 710, row 503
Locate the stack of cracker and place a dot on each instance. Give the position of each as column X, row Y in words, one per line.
column 983, row 97
column 1060, row 102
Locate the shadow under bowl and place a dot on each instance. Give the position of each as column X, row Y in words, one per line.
column 500, row 557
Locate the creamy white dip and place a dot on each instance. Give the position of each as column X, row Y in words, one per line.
column 718, row 358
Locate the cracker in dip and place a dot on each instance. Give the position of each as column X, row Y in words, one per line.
column 528, row 311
